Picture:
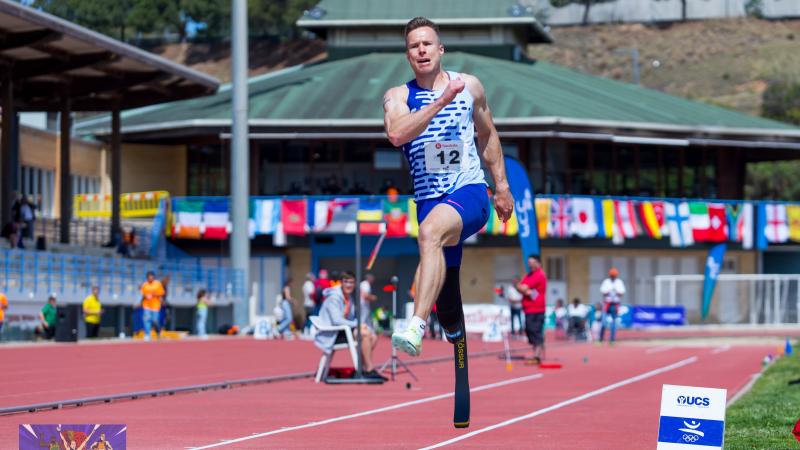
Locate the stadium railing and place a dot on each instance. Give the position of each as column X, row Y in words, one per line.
column 33, row 275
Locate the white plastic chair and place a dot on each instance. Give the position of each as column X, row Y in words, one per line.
column 325, row 359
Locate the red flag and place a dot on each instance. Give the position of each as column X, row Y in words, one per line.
column 718, row 231
column 293, row 217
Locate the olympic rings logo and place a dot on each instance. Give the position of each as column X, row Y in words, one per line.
column 690, row 437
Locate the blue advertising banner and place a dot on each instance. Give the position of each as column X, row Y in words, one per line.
column 644, row 316
column 523, row 208
column 713, row 267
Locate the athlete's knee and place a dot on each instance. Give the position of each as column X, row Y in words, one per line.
column 430, row 235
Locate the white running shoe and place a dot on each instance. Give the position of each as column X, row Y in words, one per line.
column 409, row 341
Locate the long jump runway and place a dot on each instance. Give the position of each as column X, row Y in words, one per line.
column 602, row 397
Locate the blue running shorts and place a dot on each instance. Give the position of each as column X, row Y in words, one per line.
column 471, row 203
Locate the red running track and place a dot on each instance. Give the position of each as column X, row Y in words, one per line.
column 301, row 414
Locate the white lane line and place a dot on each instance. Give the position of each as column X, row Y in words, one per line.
column 744, row 389
column 720, row 349
column 369, row 412
column 580, row 398
column 659, row 349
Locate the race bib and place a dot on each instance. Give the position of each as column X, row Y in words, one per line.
column 444, row 157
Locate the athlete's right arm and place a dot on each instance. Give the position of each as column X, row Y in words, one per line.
column 403, row 126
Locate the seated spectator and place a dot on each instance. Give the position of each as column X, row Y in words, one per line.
column 284, row 314
column 338, row 308
column 11, row 232
column 576, row 312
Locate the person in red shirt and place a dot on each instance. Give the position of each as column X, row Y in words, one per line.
column 533, row 287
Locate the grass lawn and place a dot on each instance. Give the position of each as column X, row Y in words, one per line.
column 764, row 417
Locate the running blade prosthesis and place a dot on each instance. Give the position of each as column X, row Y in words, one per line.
column 461, row 406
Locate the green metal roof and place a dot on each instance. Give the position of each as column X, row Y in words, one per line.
column 377, row 10
column 348, row 92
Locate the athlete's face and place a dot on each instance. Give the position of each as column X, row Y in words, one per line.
column 423, row 50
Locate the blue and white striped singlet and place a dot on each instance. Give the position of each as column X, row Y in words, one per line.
column 454, row 122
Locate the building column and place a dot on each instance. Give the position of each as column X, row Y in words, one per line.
column 7, row 157
column 116, row 164
column 65, row 176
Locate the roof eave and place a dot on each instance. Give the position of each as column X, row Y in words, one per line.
column 67, row 28
column 666, row 129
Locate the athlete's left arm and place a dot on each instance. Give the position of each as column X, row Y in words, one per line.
column 489, row 148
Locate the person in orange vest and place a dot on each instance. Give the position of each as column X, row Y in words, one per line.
column 152, row 292
column 3, row 308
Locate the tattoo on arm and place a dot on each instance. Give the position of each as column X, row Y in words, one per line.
column 386, row 100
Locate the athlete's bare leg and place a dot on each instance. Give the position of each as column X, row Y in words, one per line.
column 441, row 228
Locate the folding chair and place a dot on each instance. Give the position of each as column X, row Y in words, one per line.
column 325, row 359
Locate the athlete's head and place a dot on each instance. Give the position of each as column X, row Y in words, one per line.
column 534, row 262
column 423, row 48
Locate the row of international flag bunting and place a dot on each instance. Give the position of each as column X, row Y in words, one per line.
column 684, row 223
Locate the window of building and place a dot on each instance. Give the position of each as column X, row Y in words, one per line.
column 649, row 166
column 602, row 177
column 535, row 164
column 555, row 167
column 38, row 185
column 85, row 185
column 626, row 171
column 207, row 166
column 579, row 168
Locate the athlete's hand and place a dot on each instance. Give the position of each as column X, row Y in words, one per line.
column 503, row 204
column 454, row 87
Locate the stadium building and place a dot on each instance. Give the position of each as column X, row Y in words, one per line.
column 317, row 129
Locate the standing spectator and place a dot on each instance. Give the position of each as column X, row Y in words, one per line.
column 92, row 312
column 48, row 318
column 533, row 287
column 319, row 288
column 203, row 302
column 514, row 298
column 3, row 308
column 165, row 314
column 576, row 311
column 24, row 214
column 152, row 291
column 612, row 289
column 338, row 309
column 367, row 298
column 308, row 299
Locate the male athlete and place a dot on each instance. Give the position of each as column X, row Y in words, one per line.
column 434, row 118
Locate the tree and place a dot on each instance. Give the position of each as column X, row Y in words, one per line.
column 277, row 17
column 773, row 180
column 215, row 15
column 781, row 101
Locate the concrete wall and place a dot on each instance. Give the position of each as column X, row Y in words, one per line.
column 154, row 168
